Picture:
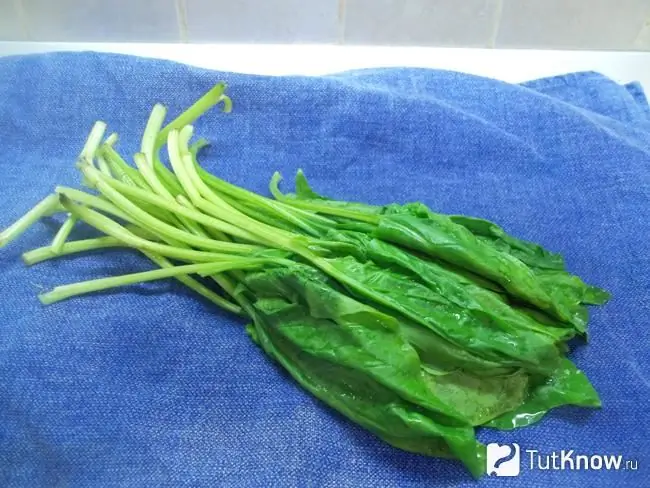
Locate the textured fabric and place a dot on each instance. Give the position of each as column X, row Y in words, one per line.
column 152, row 386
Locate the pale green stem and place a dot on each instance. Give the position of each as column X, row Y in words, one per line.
column 176, row 160
column 121, row 169
column 92, row 201
column 103, row 165
column 331, row 210
column 184, row 137
column 44, row 253
column 94, row 140
column 112, row 228
column 63, row 233
column 213, row 204
column 209, row 231
column 106, row 206
column 147, row 172
column 147, row 159
column 112, row 139
column 199, row 287
column 198, row 108
column 274, row 187
column 197, row 146
column 154, row 124
column 222, row 280
column 175, row 207
column 277, row 206
column 125, row 173
column 67, row 291
column 279, row 209
column 160, row 227
column 44, row 207
column 314, row 206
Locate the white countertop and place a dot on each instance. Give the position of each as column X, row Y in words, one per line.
column 508, row 65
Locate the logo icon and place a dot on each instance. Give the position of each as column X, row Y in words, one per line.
column 503, row 460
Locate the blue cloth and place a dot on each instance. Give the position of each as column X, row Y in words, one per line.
column 152, row 386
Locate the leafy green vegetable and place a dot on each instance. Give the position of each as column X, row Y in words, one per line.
column 525, row 270
column 369, row 404
column 470, row 329
column 528, row 253
column 354, row 359
column 416, row 325
column 566, row 386
column 439, row 237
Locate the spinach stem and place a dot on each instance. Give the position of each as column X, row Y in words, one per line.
column 299, row 217
column 207, row 231
column 197, row 146
column 210, row 202
column 221, row 279
column 102, row 164
column 160, row 227
column 44, row 207
column 198, row 108
column 112, row 139
column 120, row 168
column 144, row 161
column 63, row 233
column 92, row 201
column 151, row 131
column 203, row 198
column 313, row 206
column 198, row 287
column 149, row 174
column 112, row 228
column 131, row 176
column 175, row 158
column 332, row 210
column 71, row 247
column 214, row 96
column 104, row 205
column 66, row 291
column 93, row 141
column 175, row 207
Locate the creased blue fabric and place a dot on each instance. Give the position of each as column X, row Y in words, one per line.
column 152, row 386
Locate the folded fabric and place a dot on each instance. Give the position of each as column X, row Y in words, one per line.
column 151, row 385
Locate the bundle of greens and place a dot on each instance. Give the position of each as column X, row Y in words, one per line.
column 416, row 325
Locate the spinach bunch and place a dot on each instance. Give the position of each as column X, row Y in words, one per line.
column 416, row 325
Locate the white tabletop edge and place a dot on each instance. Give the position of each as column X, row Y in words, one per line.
column 511, row 65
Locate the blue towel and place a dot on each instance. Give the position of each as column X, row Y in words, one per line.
column 152, row 386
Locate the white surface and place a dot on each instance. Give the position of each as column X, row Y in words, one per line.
column 92, row 21
column 466, row 23
column 262, row 21
column 558, row 24
column 535, row 24
column 508, row 65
